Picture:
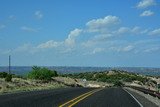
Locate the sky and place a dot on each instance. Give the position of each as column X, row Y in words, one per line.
column 101, row 33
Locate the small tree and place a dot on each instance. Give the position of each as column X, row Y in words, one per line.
column 41, row 73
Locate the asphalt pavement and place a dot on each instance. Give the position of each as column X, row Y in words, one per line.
column 67, row 97
column 45, row 98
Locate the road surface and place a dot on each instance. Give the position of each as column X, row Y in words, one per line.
column 68, row 97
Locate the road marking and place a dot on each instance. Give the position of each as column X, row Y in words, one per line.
column 75, row 98
column 79, row 98
column 133, row 98
column 83, row 98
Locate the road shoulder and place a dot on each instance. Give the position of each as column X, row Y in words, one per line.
column 141, row 97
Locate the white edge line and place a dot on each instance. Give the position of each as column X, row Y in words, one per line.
column 133, row 98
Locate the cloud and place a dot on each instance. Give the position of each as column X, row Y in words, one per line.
column 102, row 37
column 49, row 44
column 154, row 49
column 102, row 24
column 128, row 48
column 70, row 41
column 28, row 29
column 146, row 3
column 116, row 34
column 155, row 32
column 123, row 30
column 93, row 39
column 147, row 13
column 61, row 46
column 98, row 50
column 97, row 39
column 29, row 48
column 127, row 30
column 94, row 51
column 131, row 31
column 144, row 31
column 136, row 29
column 114, row 38
column 88, row 43
column 2, row 26
column 38, row 14
column 123, row 49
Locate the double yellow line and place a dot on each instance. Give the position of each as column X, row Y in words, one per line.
column 74, row 101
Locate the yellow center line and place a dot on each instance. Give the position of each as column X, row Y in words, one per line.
column 81, row 97
column 76, row 98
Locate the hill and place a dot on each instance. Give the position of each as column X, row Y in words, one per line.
column 118, row 77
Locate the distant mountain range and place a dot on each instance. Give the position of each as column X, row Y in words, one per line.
column 22, row 70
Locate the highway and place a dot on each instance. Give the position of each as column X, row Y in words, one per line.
column 77, row 97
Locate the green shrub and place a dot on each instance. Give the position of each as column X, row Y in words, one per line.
column 3, row 74
column 118, row 83
column 41, row 73
column 8, row 78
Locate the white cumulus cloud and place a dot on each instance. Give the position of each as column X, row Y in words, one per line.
column 146, row 3
column 147, row 13
column 123, row 30
column 102, row 23
column 118, row 39
column 70, row 41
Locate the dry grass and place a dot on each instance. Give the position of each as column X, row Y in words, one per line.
column 19, row 84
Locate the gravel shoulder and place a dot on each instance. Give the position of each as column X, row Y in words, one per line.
column 145, row 99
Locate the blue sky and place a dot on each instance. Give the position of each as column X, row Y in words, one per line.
column 105, row 33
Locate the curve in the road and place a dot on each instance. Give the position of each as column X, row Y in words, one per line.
column 109, row 97
column 77, row 97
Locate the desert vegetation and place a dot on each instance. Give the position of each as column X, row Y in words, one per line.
column 41, row 74
column 109, row 76
column 37, row 79
column 115, row 77
column 44, row 78
column 8, row 77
